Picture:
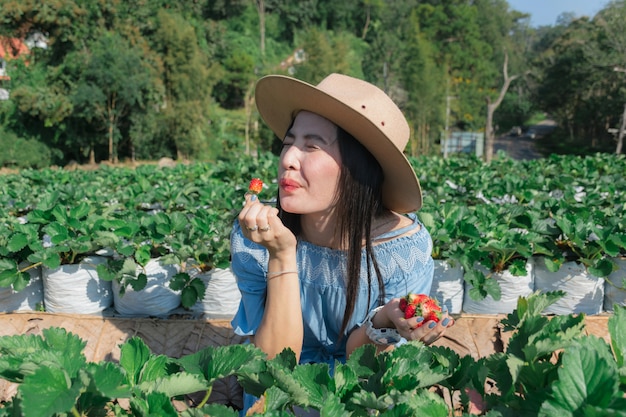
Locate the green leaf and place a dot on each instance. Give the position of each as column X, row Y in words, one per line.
column 617, row 330
column 8, row 276
column 79, row 211
column 142, row 255
column 48, row 391
column 586, row 378
column 179, row 281
column 18, row 242
column 175, row 385
column 213, row 410
column 492, row 287
column 154, row 404
column 134, row 354
column 188, row 297
column 214, row 363
column 155, row 367
column 276, row 399
column 67, row 347
column 8, row 264
column 363, row 361
column 140, row 282
column 47, row 201
column 21, row 281
column 109, row 379
column 601, row 268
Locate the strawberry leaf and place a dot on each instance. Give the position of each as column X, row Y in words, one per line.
column 49, row 391
column 617, row 330
column 134, row 354
column 175, row 385
column 587, row 377
column 109, row 379
column 18, row 242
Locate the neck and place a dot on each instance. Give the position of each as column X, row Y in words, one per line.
column 320, row 230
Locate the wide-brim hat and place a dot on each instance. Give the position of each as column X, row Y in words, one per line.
column 359, row 108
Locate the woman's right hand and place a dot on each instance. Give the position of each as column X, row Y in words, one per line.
column 260, row 223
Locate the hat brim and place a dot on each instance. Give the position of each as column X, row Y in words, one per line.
column 279, row 99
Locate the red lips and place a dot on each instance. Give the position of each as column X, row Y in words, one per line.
column 289, row 185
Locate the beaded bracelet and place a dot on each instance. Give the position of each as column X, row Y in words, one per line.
column 272, row 275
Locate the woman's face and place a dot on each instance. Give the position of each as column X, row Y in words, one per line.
column 309, row 166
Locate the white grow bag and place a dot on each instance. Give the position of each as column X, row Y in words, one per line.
column 448, row 287
column 222, row 296
column 27, row 299
column 156, row 299
column 76, row 288
column 584, row 292
column 512, row 287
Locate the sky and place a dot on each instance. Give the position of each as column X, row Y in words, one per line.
column 545, row 12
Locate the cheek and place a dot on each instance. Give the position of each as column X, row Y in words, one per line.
column 326, row 175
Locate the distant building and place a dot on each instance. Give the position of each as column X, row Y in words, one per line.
column 10, row 48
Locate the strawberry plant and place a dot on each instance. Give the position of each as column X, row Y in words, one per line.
column 18, row 241
column 549, row 368
column 583, row 238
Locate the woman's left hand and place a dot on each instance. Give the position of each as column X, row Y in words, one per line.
column 415, row 328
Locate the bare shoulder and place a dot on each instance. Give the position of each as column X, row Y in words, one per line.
column 390, row 222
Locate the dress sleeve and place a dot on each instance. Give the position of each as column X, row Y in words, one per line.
column 248, row 263
column 409, row 264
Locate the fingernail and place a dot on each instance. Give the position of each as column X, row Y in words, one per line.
column 445, row 322
column 420, row 319
column 253, row 197
column 432, row 325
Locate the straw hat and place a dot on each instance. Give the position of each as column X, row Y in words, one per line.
column 361, row 109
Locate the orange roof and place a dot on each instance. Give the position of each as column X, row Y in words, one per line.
column 11, row 48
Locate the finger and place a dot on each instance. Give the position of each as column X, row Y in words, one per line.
column 251, row 199
column 248, row 216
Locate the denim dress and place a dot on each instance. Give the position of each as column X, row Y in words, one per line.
column 405, row 264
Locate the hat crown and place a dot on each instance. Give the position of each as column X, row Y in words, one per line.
column 373, row 104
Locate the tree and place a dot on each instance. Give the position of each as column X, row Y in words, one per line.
column 611, row 53
column 424, row 83
column 113, row 82
column 492, row 106
column 187, row 81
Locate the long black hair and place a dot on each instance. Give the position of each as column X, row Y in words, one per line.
column 359, row 202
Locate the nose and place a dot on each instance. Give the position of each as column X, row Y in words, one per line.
column 289, row 157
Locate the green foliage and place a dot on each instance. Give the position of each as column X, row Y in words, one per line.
column 23, row 153
column 549, row 368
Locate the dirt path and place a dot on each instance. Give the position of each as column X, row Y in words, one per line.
column 524, row 147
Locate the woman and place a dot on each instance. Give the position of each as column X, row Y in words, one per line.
column 322, row 273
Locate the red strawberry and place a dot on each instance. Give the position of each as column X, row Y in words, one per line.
column 420, row 305
column 410, row 311
column 256, row 185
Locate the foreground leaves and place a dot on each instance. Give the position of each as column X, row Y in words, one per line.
column 549, row 368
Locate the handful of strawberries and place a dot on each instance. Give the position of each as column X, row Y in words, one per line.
column 416, row 305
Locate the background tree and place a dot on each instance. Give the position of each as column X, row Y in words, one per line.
column 202, row 58
column 607, row 51
column 187, row 81
column 425, row 87
column 113, row 81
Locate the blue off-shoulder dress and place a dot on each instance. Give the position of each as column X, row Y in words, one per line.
column 405, row 264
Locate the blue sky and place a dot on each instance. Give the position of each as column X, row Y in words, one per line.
column 545, row 12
